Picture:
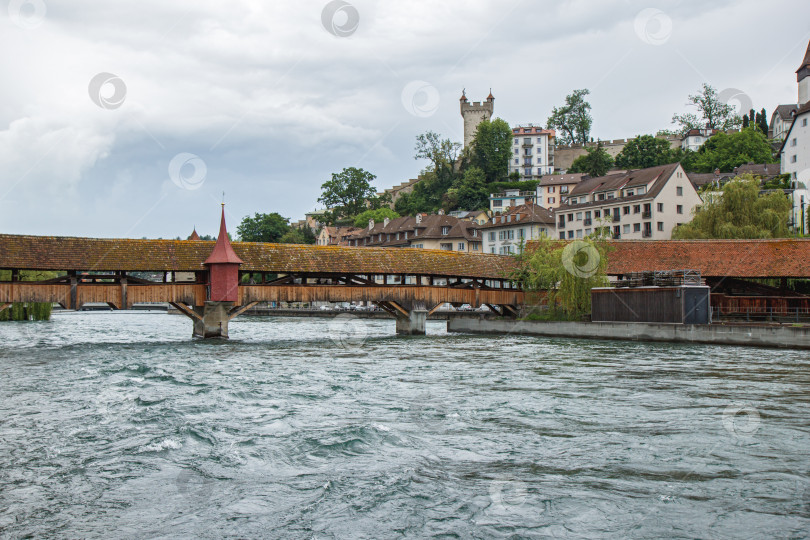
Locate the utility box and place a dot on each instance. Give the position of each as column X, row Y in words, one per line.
column 680, row 304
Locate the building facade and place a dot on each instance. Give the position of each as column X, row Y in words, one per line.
column 506, row 233
column 781, row 119
column 553, row 190
column 425, row 231
column 510, row 198
column 474, row 113
column 532, row 152
column 795, row 150
column 642, row 204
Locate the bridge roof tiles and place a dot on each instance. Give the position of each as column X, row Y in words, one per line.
column 715, row 258
column 107, row 254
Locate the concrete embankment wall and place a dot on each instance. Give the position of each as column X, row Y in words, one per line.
column 718, row 334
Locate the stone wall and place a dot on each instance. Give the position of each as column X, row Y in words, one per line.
column 781, row 336
column 564, row 155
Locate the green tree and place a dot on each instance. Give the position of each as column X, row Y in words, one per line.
column 713, row 113
column 263, row 228
column 347, row 194
column 470, row 191
column 644, row 151
column 441, row 153
column 745, row 122
column 377, row 215
column 566, row 272
column 739, row 211
column 763, row 122
column 725, row 151
column 293, row 236
column 572, row 121
column 596, row 162
column 492, row 149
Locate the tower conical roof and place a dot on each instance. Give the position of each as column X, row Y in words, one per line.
column 194, row 235
column 223, row 252
column 806, row 61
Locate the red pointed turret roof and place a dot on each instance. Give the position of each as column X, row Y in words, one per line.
column 490, row 96
column 806, row 61
column 223, row 252
column 194, row 235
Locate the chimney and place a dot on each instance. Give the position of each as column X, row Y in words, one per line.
column 370, row 224
column 440, row 212
column 386, row 221
column 418, row 218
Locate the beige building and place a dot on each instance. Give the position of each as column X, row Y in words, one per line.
column 553, row 190
column 641, row 204
column 335, row 236
column 474, row 113
column 426, row 231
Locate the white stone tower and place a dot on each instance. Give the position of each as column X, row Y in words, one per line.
column 802, row 76
column 474, row 113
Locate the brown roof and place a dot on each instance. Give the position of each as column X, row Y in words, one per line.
column 562, row 179
column 658, row 176
column 528, row 213
column 785, row 112
column 714, row 258
column 758, row 169
column 107, row 254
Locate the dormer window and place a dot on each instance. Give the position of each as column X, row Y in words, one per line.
column 445, row 230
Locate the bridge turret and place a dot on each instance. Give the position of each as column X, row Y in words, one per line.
column 223, row 268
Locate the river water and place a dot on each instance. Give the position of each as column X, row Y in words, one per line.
column 120, row 425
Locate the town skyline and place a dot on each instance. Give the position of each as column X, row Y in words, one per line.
column 267, row 116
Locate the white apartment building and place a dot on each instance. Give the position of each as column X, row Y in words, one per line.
column 694, row 138
column 532, row 152
column 642, row 204
column 795, row 151
column 505, row 233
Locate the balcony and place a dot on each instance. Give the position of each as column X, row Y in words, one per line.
column 561, row 224
column 616, row 236
column 647, row 214
column 587, row 221
column 616, row 218
column 646, row 234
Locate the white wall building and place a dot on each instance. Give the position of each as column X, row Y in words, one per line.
column 795, row 151
column 505, row 233
column 532, row 152
column 643, row 204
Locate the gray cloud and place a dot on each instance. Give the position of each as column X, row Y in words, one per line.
column 273, row 103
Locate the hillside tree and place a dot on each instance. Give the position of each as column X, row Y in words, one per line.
column 712, row 113
column 645, row 151
column 492, row 149
column 595, row 162
column 572, row 121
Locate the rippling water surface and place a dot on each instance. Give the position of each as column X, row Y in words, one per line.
column 118, row 424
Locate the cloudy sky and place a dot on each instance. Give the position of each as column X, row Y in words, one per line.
column 131, row 119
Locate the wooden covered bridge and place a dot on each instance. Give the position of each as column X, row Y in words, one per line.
column 407, row 283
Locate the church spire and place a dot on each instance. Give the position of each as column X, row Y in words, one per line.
column 223, row 252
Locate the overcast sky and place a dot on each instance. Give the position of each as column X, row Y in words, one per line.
column 130, row 119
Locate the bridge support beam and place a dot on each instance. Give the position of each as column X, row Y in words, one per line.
column 412, row 324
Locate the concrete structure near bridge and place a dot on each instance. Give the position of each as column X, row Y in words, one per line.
column 230, row 278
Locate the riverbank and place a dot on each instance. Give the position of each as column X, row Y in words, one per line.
column 774, row 335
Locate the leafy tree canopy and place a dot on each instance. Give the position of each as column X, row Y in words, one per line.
column 572, row 121
column 441, row 153
column 739, row 211
column 645, row 151
column 725, row 151
column 470, row 192
column 377, row 215
column 348, row 193
column 566, row 272
column 263, row 228
column 596, row 162
column 712, row 113
column 492, row 149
